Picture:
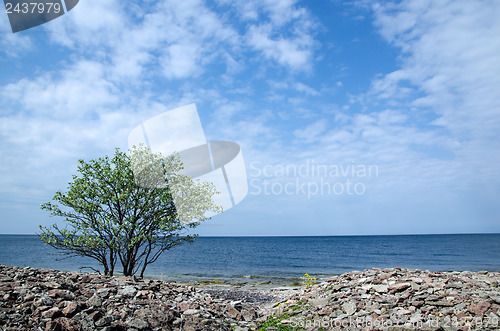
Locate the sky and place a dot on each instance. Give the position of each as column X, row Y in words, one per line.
column 353, row 117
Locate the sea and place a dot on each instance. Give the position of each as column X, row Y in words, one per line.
column 281, row 260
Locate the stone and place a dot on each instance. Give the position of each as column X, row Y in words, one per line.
column 399, row 287
column 51, row 313
column 137, row 323
column 318, row 302
column 479, row 308
column 70, row 309
column 106, row 320
column 285, row 322
column 233, row 312
column 66, row 324
column 86, row 323
column 380, row 288
column 94, row 301
column 325, row 311
column 95, row 315
column 248, row 314
column 349, row 308
column 183, row 306
column 191, row 312
column 495, row 298
column 128, row 291
column 442, row 303
column 85, row 279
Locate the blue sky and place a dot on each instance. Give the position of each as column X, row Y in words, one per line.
column 410, row 90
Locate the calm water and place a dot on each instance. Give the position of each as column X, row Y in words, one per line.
column 280, row 259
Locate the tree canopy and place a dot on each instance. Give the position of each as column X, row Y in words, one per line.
column 123, row 209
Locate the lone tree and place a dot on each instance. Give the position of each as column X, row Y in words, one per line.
column 122, row 209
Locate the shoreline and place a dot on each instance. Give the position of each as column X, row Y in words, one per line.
column 373, row 299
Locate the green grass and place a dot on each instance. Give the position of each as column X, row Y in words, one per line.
column 274, row 321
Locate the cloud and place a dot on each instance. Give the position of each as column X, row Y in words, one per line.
column 181, row 60
column 449, row 65
column 294, row 53
column 306, row 89
column 311, row 131
column 281, row 30
column 65, row 95
column 12, row 44
column 176, row 39
column 95, row 24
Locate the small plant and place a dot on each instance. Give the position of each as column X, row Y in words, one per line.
column 298, row 306
column 308, row 280
column 273, row 323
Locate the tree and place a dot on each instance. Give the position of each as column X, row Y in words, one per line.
column 122, row 209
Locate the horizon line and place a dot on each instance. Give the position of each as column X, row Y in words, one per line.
column 304, row 236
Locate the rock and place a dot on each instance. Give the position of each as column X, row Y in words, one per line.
column 415, row 318
column 51, row 313
column 233, row 312
column 399, row 287
column 128, row 291
column 85, row 279
column 66, row 324
column 248, row 314
column 349, row 308
column 495, row 298
column 106, row 320
column 442, row 303
column 479, row 308
column 325, row 311
column 191, row 312
column 70, row 309
column 137, row 323
column 318, row 302
column 95, row 315
column 183, row 306
column 380, row 288
column 285, row 322
column 94, row 301
column 86, row 322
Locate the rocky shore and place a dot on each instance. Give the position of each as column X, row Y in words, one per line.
column 375, row 299
column 40, row 299
column 396, row 299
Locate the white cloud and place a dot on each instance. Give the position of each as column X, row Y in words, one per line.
column 77, row 91
column 281, row 30
column 181, row 60
column 95, row 23
column 311, row 131
column 12, row 44
column 294, row 53
column 450, row 55
column 306, row 89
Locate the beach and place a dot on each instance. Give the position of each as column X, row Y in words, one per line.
column 373, row 299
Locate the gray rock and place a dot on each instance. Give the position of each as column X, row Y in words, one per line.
column 106, row 320
column 137, row 323
column 380, row 288
column 128, row 291
column 349, row 308
column 191, row 312
column 86, row 322
column 94, row 301
column 318, row 302
column 495, row 298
